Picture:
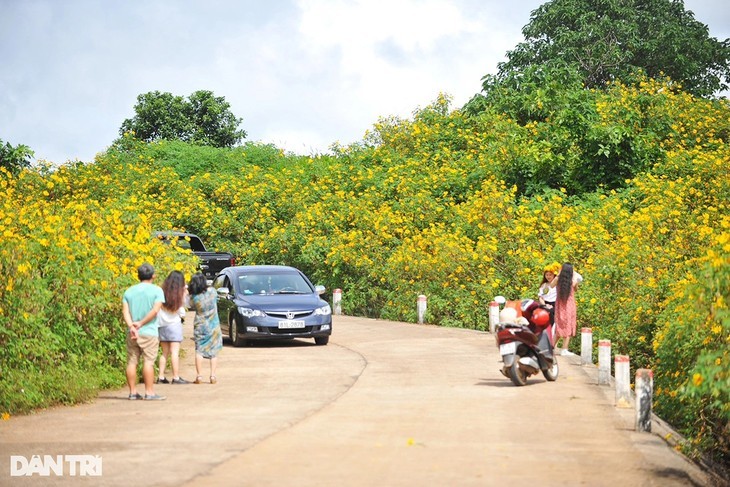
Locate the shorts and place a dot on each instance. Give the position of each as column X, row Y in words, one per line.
column 144, row 345
column 171, row 333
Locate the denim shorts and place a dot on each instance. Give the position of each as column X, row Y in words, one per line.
column 171, row 333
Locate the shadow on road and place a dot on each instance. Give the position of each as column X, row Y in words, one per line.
column 275, row 343
column 495, row 383
column 505, row 382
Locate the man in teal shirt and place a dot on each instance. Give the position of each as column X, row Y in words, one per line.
column 140, row 305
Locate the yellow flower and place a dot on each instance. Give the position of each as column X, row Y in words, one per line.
column 6, row 416
column 697, row 379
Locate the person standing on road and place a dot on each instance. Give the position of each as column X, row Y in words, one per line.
column 206, row 326
column 170, row 326
column 140, row 305
column 566, row 282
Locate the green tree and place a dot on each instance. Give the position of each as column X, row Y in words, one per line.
column 534, row 94
column 211, row 120
column 15, row 158
column 610, row 40
column 201, row 119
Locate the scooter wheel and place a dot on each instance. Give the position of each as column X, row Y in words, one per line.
column 551, row 374
column 517, row 376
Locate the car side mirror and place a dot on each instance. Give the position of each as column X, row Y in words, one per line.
column 223, row 292
column 319, row 289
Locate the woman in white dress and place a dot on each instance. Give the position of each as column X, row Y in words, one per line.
column 170, row 322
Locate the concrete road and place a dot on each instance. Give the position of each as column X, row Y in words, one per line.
column 384, row 404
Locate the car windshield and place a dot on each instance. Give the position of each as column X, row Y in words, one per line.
column 274, row 283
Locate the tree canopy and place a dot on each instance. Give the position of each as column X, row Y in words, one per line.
column 201, row 119
column 607, row 40
column 14, row 158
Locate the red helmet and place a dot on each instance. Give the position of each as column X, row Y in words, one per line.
column 540, row 317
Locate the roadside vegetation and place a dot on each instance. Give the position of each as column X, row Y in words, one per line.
column 628, row 180
column 419, row 206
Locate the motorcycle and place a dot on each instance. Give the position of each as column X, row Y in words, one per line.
column 526, row 339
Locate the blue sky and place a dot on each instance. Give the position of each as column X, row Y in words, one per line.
column 302, row 74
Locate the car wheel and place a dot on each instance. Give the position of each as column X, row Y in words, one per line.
column 321, row 340
column 235, row 339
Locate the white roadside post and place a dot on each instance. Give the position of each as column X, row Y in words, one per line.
column 644, row 394
column 604, row 362
column 586, row 346
column 337, row 301
column 623, row 381
column 493, row 316
column 421, row 309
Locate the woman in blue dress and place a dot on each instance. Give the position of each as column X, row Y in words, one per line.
column 206, row 326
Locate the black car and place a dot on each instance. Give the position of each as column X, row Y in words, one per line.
column 210, row 263
column 271, row 302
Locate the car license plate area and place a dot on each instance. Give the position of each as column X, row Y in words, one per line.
column 508, row 348
column 291, row 324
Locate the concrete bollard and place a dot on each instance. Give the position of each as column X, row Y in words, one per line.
column 337, row 301
column 604, row 362
column 586, row 346
column 493, row 316
column 644, row 394
column 623, row 381
column 421, row 309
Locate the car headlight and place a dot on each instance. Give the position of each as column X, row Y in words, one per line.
column 249, row 312
column 324, row 310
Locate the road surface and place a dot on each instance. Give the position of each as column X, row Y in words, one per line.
column 384, row 404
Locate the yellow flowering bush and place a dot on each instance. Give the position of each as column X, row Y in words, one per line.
column 694, row 336
column 458, row 208
column 67, row 258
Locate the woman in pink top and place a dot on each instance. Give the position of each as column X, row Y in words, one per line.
column 566, row 282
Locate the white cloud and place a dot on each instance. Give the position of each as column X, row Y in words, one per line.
column 357, row 27
column 393, row 57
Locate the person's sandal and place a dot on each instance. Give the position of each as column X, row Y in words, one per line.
column 198, row 380
column 213, row 380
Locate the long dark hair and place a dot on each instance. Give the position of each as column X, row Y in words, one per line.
column 565, row 282
column 174, row 289
column 198, row 284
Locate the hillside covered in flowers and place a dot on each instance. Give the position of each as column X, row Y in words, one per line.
column 455, row 205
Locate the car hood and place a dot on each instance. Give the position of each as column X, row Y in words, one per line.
column 289, row 302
